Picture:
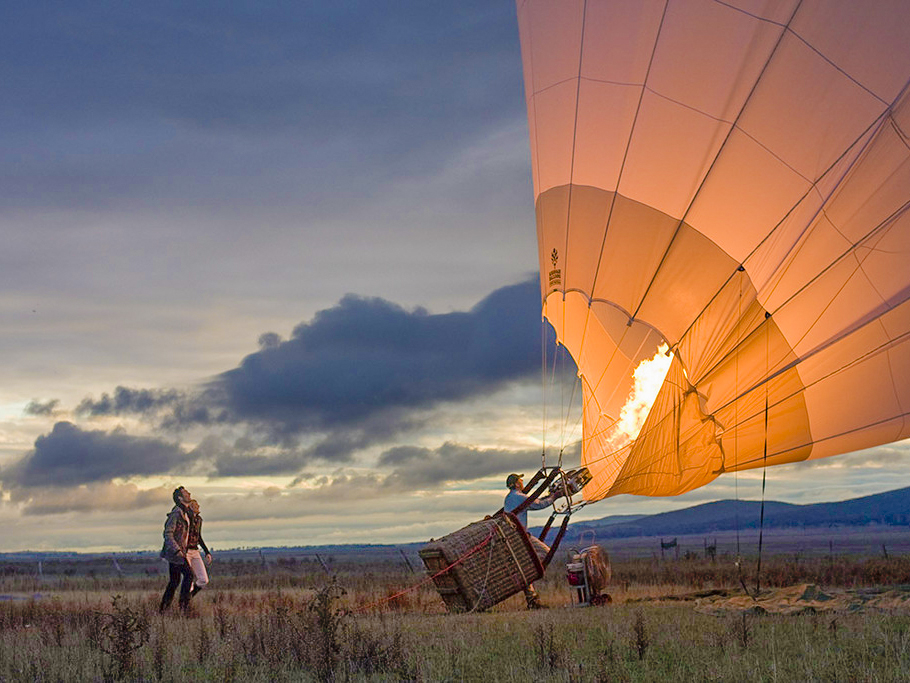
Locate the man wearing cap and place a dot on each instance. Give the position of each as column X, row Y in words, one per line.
column 514, row 498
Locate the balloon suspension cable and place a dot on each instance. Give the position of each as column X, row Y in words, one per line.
column 739, row 557
column 764, row 477
column 543, row 378
column 736, row 522
column 761, row 518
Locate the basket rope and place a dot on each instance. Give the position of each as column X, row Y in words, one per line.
column 414, row 587
column 512, row 553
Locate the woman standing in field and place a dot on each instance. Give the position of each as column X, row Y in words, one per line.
column 193, row 543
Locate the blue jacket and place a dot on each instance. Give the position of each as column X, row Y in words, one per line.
column 515, row 497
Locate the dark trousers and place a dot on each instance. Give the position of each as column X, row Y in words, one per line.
column 178, row 571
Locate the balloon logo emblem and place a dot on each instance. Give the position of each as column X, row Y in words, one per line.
column 556, row 273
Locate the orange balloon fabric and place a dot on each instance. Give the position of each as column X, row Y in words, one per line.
column 731, row 179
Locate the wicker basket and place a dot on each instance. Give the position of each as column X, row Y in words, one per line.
column 488, row 561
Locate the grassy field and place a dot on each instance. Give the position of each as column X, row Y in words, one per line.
column 368, row 617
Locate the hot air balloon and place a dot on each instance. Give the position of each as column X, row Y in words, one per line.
column 724, row 185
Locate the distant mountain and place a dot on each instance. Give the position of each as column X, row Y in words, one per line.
column 614, row 519
column 889, row 508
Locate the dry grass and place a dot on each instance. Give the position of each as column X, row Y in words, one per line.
column 295, row 623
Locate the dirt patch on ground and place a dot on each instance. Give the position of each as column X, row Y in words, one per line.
column 799, row 599
column 808, row 598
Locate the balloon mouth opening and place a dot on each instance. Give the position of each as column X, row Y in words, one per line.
column 647, row 379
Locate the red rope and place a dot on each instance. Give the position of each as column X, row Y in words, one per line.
column 461, row 559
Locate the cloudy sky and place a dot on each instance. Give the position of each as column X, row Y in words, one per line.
column 283, row 254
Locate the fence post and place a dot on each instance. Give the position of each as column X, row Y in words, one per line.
column 406, row 560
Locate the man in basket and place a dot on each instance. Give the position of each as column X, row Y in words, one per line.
column 514, row 498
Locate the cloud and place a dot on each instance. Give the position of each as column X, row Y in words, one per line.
column 46, row 409
column 879, row 457
column 417, row 468
column 94, row 497
column 130, row 401
column 71, row 470
column 401, row 472
column 367, row 356
column 244, row 458
column 70, row 456
column 359, row 373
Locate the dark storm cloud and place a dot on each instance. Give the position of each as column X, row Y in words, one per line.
column 369, row 357
column 130, row 401
column 339, row 445
column 420, row 468
column 109, row 99
column 244, row 458
column 358, row 374
column 401, row 455
column 42, row 409
column 173, row 410
column 70, row 456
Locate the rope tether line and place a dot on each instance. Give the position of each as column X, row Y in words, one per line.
column 414, row 587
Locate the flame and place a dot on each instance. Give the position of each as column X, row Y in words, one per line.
column 647, row 379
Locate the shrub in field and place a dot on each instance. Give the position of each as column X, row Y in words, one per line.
column 54, row 630
column 548, row 655
column 640, row 638
column 159, row 656
column 606, row 664
column 225, row 624
column 310, row 638
column 742, row 631
column 328, row 623
column 203, row 643
column 371, row 654
column 122, row 632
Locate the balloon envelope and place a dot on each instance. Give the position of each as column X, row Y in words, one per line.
column 730, row 179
